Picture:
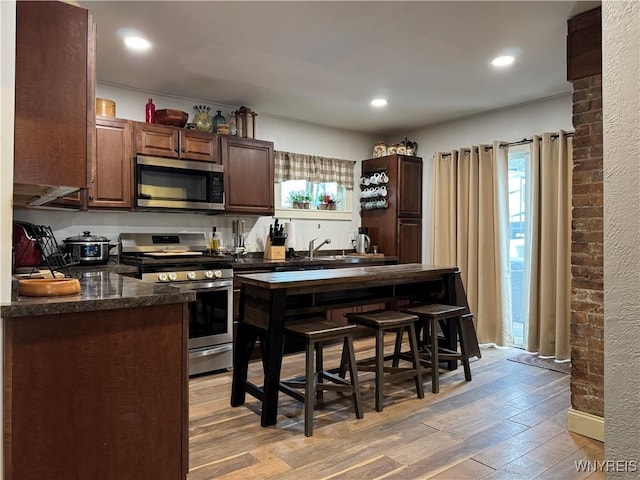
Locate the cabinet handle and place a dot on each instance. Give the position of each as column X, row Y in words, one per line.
column 175, row 149
column 184, row 150
column 90, row 197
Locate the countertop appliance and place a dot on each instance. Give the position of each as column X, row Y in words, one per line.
column 362, row 241
column 179, row 260
column 26, row 251
column 89, row 249
column 168, row 183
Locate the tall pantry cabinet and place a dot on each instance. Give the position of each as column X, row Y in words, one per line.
column 397, row 228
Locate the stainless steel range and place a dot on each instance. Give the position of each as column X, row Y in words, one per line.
column 180, row 260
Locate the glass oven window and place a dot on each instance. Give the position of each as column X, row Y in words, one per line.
column 208, row 314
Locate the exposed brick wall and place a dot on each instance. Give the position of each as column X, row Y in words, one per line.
column 587, row 259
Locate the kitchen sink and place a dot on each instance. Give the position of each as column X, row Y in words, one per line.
column 343, row 258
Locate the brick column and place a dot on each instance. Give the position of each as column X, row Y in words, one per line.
column 587, row 260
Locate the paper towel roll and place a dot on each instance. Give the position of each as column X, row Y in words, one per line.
column 290, row 230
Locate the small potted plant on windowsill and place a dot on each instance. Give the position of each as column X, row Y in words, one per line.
column 299, row 199
column 326, row 202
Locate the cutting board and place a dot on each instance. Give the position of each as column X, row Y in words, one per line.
column 173, row 254
column 366, row 255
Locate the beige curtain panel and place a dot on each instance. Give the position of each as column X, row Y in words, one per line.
column 549, row 256
column 312, row 168
column 470, row 230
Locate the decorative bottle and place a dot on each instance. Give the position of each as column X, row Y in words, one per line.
column 218, row 119
column 150, row 112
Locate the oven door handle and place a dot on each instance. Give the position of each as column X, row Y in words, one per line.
column 203, row 285
column 211, row 351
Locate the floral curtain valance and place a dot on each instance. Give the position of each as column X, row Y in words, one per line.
column 312, row 168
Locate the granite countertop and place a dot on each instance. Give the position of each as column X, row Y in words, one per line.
column 100, row 289
column 324, row 259
column 112, row 286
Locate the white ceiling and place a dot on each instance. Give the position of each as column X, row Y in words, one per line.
column 322, row 62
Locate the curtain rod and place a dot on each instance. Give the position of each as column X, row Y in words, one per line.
column 524, row 141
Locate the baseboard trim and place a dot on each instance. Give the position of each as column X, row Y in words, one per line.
column 586, row 424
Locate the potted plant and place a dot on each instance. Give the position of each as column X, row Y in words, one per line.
column 305, row 198
column 326, row 202
column 299, row 199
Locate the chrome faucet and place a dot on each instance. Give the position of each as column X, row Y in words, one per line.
column 313, row 251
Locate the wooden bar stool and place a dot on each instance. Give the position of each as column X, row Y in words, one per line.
column 317, row 331
column 431, row 315
column 382, row 321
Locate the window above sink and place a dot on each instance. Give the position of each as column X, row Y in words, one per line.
column 304, row 199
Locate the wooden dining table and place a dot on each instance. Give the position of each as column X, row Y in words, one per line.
column 268, row 300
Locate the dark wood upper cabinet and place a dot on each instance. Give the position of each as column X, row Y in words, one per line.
column 54, row 94
column 111, row 174
column 248, row 166
column 397, row 229
column 174, row 142
column 409, row 193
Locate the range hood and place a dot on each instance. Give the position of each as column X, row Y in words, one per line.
column 37, row 195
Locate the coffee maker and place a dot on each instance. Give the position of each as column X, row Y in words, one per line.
column 362, row 242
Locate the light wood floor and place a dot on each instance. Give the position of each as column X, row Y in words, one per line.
column 508, row 423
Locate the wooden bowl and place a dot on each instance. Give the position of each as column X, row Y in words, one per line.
column 177, row 118
column 48, row 287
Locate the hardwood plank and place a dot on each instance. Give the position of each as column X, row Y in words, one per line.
column 508, row 422
column 466, row 470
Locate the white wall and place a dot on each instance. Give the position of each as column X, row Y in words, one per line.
column 287, row 135
column 621, row 122
column 509, row 125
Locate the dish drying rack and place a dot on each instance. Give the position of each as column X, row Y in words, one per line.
column 52, row 255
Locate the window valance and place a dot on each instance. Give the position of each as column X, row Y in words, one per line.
column 314, row 169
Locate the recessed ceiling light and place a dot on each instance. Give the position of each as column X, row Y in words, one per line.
column 502, row 61
column 138, row 44
column 379, row 102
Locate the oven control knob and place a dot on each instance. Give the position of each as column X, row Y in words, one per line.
column 208, row 273
column 191, row 275
column 217, row 273
column 173, row 276
column 162, row 277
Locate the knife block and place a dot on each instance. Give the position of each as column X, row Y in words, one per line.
column 272, row 252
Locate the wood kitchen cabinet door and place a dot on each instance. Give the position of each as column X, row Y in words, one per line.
column 111, row 174
column 54, row 94
column 409, row 241
column 174, row 142
column 195, row 145
column 248, row 167
column 159, row 140
column 410, row 187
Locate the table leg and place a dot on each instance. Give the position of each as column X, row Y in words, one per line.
column 273, row 363
column 244, row 344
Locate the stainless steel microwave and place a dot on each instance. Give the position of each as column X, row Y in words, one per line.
column 168, row 183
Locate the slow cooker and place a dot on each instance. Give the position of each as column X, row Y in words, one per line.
column 89, row 249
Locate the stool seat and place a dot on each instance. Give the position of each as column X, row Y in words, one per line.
column 431, row 315
column 436, row 311
column 316, row 331
column 382, row 318
column 382, row 321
